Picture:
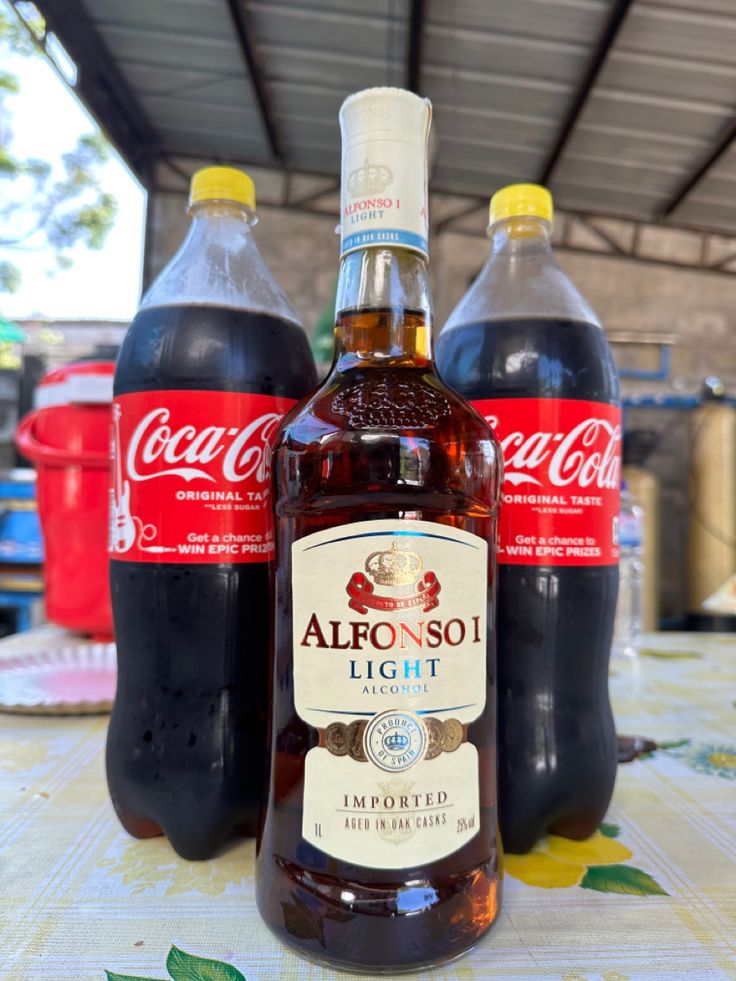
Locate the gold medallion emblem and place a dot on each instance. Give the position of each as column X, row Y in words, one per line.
column 435, row 738
column 356, row 731
column 336, row 739
column 453, row 735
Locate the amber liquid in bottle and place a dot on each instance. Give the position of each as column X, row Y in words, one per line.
column 383, row 438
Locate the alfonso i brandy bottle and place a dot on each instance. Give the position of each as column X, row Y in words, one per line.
column 379, row 846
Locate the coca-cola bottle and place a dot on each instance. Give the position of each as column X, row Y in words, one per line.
column 210, row 364
column 526, row 349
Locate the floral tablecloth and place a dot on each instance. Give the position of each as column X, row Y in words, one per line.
column 651, row 896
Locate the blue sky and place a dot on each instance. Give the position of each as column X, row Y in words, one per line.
column 46, row 118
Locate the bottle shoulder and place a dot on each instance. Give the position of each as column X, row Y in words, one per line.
column 209, row 346
column 386, row 439
column 219, row 262
column 521, row 282
column 543, row 357
column 364, row 405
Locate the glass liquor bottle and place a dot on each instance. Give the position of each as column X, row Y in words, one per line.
column 379, row 849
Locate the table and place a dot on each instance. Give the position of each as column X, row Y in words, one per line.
column 651, row 896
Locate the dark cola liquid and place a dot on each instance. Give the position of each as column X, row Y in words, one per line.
column 186, row 748
column 554, row 622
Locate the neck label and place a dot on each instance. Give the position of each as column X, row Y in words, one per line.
column 384, row 196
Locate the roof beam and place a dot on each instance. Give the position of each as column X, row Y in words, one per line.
column 414, row 45
column 239, row 18
column 616, row 17
column 101, row 84
column 727, row 137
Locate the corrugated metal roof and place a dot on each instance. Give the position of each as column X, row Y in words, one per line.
column 666, row 90
column 630, row 107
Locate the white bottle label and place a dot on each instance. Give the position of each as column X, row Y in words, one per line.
column 384, row 196
column 390, row 623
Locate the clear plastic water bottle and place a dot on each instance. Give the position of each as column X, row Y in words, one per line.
column 627, row 628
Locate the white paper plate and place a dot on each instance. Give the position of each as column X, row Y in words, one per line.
column 74, row 680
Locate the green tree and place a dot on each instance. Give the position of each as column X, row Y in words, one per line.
column 42, row 206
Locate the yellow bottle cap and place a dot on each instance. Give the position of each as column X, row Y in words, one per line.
column 521, row 201
column 222, row 184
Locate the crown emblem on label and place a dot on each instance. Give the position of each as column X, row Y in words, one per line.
column 397, row 742
column 396, row 786
column 369, row 179
column 394, row 567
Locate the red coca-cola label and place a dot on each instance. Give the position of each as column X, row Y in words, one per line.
column 562, row 474
column 192, row 476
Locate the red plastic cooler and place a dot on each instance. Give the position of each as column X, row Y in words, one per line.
column 67, row 437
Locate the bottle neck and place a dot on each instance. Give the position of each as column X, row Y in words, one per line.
column 220, row 222
column 383, row 310
column 521, row 237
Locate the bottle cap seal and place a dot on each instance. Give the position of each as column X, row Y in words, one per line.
column 222, row 184
column 521, row 201
column 385, row 113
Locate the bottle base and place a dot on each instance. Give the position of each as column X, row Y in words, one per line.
column 575, row 824
column 378, row 929
column 192, row 844
column 382, row 971
column 139, row 827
